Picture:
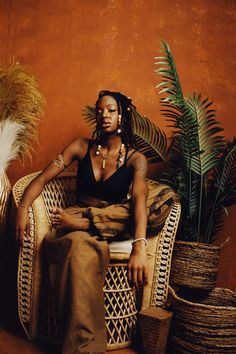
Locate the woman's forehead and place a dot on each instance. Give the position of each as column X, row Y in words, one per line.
column 107, row 100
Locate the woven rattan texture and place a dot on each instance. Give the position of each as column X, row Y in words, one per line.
column 163, row 257
column 188, row 270
column 154, row 326
column 26, row 262
column 59, row 193
column 120, row 299
column 120, row 305
column 207, row 325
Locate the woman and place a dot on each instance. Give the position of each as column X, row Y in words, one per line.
column 76, row 248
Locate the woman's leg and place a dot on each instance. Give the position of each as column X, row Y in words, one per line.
column 77, row 269
column 115, row 219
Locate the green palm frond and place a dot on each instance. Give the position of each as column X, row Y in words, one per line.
column 22, row 102
column 225, row 172
column 167, row 69
column 217, row 222
column 197, row 143
column 207, row 144
column 149, row 139
column 222, row 186
column 90, row 115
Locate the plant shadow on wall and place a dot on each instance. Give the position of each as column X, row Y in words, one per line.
column 200, row 163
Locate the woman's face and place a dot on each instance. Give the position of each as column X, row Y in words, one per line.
column 107, row 114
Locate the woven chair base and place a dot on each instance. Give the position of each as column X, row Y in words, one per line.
column 121, row 307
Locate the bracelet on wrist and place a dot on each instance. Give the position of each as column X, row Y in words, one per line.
column 140, row 239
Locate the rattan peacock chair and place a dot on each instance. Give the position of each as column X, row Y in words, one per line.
column 122, row 303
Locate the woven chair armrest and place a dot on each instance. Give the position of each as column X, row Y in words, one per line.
column 160, row 250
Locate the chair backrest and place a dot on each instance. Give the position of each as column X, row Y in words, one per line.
column 60, row 192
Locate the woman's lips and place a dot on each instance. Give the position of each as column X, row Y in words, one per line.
column 105, row 125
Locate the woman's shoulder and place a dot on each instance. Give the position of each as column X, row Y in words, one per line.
column 79, row 147
column 136, row 160
column 135, row 155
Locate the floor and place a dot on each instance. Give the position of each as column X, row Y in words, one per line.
column 14, row 343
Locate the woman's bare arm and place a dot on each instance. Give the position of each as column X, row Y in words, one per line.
column 137, row 265
column 75, row 149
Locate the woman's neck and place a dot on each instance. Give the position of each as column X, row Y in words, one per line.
column 111, row 142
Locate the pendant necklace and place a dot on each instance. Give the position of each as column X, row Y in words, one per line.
column 104, row 158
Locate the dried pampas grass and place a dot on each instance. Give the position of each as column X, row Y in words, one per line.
column 21, row 102
column 9, row 134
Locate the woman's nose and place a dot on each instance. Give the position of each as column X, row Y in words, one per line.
column 105, row 113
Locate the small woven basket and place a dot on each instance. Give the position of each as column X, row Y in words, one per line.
column 195, row 265
column 206, row 325
column 154, row 325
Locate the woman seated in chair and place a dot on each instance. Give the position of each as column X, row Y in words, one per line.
column 76, row 248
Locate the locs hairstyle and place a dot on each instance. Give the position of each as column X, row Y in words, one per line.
column 125, row 108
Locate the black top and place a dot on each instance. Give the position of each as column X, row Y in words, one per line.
column 113, row 189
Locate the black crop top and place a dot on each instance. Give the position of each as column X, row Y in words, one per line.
column 113, row 189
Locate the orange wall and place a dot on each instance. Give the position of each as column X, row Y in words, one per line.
column 78, row 47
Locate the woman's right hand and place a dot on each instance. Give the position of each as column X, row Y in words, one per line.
column 22, row 224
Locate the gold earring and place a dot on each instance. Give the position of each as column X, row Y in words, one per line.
column 119, row 124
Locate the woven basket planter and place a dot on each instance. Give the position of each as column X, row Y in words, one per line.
column 195, row 265
column 206, row 325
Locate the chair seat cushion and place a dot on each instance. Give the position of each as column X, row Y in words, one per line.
column 121, row 246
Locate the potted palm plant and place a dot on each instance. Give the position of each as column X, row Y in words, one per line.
column 201, row 167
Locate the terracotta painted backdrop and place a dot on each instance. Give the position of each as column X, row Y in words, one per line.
column 76, row 48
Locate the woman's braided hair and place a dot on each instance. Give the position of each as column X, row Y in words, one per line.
column 125, row 108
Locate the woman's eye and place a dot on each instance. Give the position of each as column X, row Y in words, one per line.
column 112, row 110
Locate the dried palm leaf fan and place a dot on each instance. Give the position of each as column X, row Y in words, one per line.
column 21, row 102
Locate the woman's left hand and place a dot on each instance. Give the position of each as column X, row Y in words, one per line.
column 137, row 265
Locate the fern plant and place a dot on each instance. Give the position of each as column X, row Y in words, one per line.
column 201, row 165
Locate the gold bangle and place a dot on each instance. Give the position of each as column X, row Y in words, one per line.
column 59, row 162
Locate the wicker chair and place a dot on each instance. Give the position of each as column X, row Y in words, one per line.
column 35, row 303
